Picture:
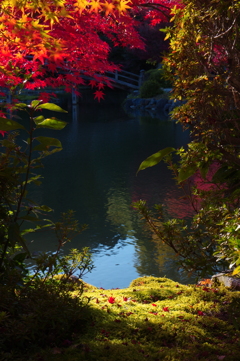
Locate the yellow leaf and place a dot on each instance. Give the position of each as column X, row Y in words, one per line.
column 122, row 5
column 236, row 271
column 198, row 38
column 95, row 5
column 167, row 36
column 108, row 7
column 82, row 4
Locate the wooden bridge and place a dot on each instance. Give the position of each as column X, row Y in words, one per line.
column 124, row 79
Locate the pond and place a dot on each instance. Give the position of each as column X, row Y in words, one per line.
column 95, row 175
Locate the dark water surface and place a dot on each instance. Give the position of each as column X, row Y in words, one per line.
column 95, row 175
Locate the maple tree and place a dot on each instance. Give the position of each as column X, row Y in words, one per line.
column 52, row 43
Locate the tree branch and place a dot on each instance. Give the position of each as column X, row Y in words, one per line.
column 154, row 6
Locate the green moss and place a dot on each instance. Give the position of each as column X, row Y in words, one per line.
column 155, row 319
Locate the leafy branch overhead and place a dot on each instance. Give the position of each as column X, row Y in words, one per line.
column 52, row 43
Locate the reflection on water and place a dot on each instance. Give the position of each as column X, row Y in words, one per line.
column 95, row 175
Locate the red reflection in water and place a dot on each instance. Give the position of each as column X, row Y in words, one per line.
column 181, row 207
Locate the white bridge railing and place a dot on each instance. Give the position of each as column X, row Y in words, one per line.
column 120, row 79
column 126, row 79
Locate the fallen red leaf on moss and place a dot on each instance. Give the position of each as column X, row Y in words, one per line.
column 111, row 299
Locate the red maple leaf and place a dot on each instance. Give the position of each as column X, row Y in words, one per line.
column 3, row 132
column 92, row 83
column 111, row 299
column 101, row 85
column 165, row 309
column 99, row 95
column 45, row 97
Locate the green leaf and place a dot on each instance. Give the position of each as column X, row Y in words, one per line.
column 51, row 106
column 35, row 179
column 52, row 123
column 46, row 142
column 45, row 208
column 38, row 227
column 38, row 119
column 186, row 172
column 15, row 237
column 35, row 103
column 20, row 106
column 155, row 158
column 204, row 170
column 8, row 124
column 20, row 257
column 50, row 152
column 40, row 147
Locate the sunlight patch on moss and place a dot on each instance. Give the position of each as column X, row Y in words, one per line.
column 157, row 319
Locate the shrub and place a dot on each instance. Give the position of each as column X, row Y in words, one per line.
column 45, row 311
column 158, row 75
column 38, row 316
column 37, row 308
column 150, row 88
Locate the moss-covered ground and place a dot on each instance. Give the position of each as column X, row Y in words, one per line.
column 155, row 319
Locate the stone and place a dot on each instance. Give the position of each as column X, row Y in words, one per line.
column 160, row 104
column 227, row 281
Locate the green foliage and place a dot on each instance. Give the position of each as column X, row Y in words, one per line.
column 155, row 158
column 37, row 307
column 203, row 66
column 43, row 311
column 17, row 165
column 159, row 76
column 150, row 88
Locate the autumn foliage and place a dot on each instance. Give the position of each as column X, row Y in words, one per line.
column 53, row 43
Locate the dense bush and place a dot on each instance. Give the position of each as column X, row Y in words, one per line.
column 40, row 315
column 46, row 307
column 159, row 76
column 150, row 88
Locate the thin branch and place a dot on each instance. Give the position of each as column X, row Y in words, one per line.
column 154, row 6
column 226, row 31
